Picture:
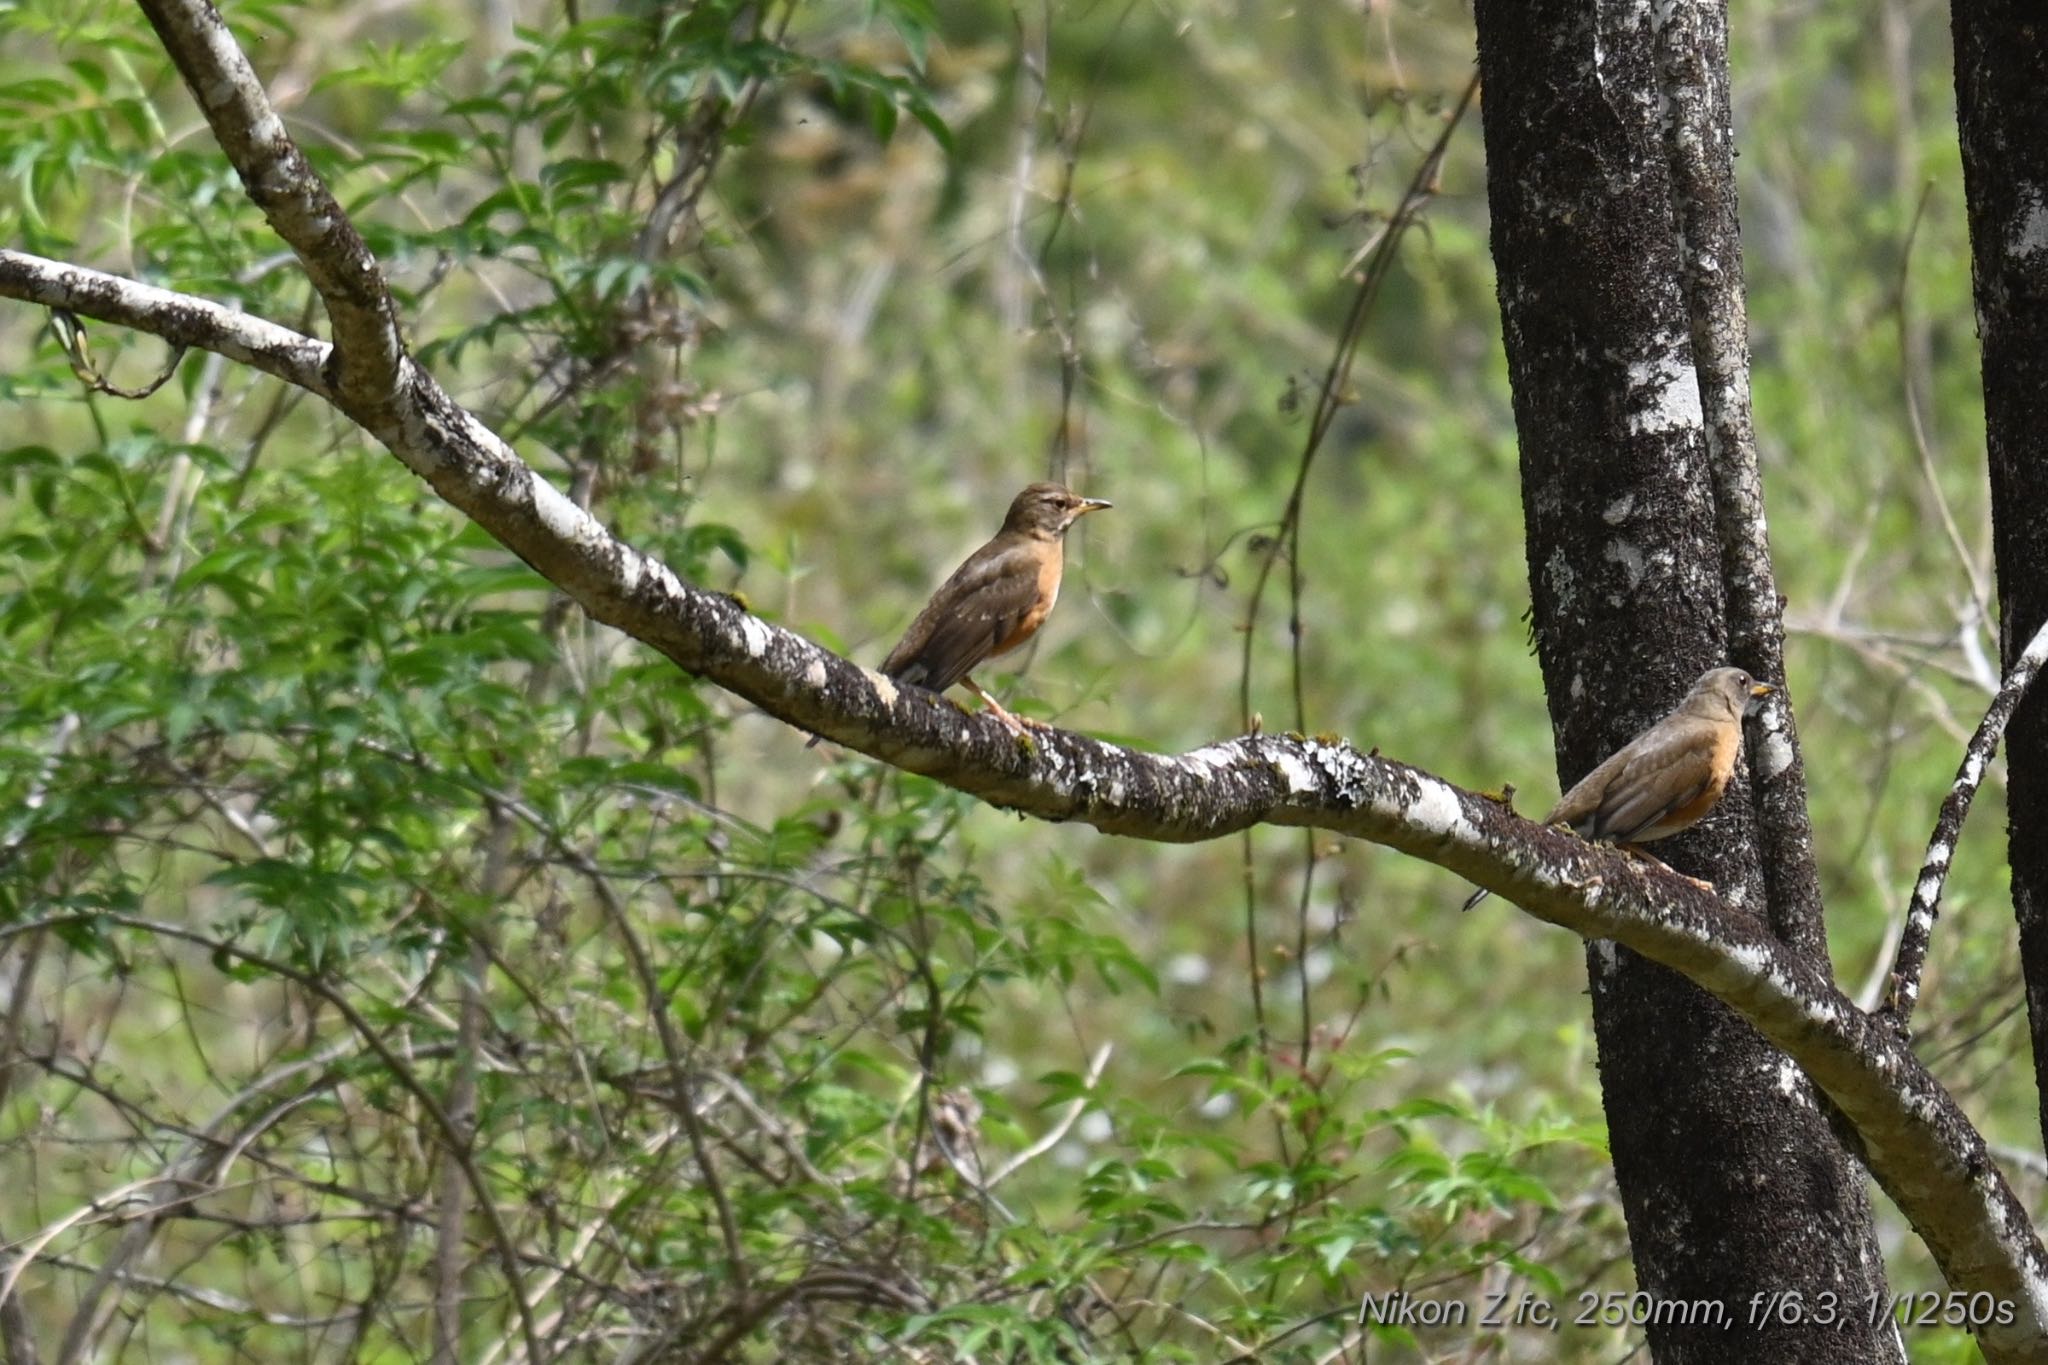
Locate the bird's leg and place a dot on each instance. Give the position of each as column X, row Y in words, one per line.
column 1638, row 851
column 1016, row 724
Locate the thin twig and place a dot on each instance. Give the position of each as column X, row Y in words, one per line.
column 1055, row 1134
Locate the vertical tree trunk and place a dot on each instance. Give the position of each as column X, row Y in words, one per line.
column 1692, row 59
column 2002, row 107
column 1736, row 1192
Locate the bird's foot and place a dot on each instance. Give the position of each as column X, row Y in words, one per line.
column 1014, row 724
column 1644, row 855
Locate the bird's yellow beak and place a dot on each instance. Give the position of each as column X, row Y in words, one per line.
column 1761, row 690
column 1091, row 505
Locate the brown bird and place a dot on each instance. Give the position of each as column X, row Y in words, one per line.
column 1668, row 777
column 995, row 601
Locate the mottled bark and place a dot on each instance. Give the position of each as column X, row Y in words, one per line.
column 1732, row 1183
column 295, row 200
column 2002, row 104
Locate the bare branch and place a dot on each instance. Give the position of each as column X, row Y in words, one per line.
column 395, row 1067
column 175, row 317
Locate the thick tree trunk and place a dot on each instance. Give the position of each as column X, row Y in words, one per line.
column 1735, row 1191
column 2002, row 105
column 1692, row 57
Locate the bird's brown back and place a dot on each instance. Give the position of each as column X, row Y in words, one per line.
column 1662, row 782
column 1668, row 777
column 992, row 604
column 998, row 598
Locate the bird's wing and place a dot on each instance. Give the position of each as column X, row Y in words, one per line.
column 983, row 604
column 1664, row 771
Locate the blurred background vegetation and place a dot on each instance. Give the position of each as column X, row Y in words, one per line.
column 260, row 686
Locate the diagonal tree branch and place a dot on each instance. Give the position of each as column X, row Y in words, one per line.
column 1925, row 905
column 295, row 200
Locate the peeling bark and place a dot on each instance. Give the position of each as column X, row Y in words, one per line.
column 2002, row 105
column 1732, row 1182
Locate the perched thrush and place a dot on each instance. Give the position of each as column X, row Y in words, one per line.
column 1668, row 777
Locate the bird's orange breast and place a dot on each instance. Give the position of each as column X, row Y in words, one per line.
column 1050, row 567
column 1727, row 742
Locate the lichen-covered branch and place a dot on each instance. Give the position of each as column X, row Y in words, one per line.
column 177, row 318
column 1925, row 906
column 295, row 200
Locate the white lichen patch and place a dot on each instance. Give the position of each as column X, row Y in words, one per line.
column 1437, row 809
column 1616, row 512
column 1773, row 756
column 1626, row 555
column 556, row 512
column 1210, row 757
column 755, row 637
column 1062, row 777
column 815, row 675
column 2030, row 226
column 1297, row 775
column 885, row 689
column 1664, row 395
column 1925, row 892
column 1345, row 769
column 1791, row 1080
column 1557, row 571
column 631, row 567
column 1820, row 1014
column 1753, row 961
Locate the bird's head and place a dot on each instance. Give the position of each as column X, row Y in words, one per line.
column 1046, row 510
column 1729, row 690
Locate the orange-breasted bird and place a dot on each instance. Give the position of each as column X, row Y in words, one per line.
column 1668, row 777
column 995, row 601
